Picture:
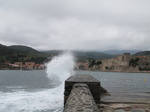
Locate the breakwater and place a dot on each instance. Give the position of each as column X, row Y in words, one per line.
column 82, row 92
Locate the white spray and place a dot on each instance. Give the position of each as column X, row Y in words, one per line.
column 58, row 70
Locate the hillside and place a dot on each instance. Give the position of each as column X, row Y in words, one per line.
column 4, row 49
column 27, row 50
column 53, row 52
column 20, row 53
column 8, row 54
column 93, row 55
column 118, row 52
column 82, row 56
column 142, row 53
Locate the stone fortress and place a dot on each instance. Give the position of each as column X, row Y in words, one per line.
column 126, row 63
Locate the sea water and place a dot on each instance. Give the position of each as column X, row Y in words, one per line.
column 123, row 87
column 36, row 91
column 42, row 90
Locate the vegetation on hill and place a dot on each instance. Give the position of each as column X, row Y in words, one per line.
column 53, row 52
column 142, row 53
column 93, row 55
column 82, row 56
column 118, row 52
column 21, row 54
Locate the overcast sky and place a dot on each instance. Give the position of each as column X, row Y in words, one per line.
column 76, row 24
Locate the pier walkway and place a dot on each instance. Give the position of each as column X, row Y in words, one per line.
column 83, row 94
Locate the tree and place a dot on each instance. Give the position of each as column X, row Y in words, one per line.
column 98, row 62
column 91, row 62
column 134, row 62
column 106, row 67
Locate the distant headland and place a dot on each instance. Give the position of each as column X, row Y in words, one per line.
column 24, row 57
column 121, row 63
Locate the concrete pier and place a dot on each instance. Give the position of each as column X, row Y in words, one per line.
column 80, row 100
column 93, row 84
column 82, row 93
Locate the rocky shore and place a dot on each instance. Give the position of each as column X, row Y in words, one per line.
column 124, row 107
column 128, row 71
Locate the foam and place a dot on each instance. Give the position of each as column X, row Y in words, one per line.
column 48, row 100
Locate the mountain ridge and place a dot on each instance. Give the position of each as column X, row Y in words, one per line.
column 142, row 53
column 28, row 53
column 15, row 54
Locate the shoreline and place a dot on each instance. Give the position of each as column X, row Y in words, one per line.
column 124, row 107
column 129, row 71
column 118, row 71
column 85, row 70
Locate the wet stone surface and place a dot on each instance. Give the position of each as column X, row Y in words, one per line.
column 93, row 84
column 82, row 78
column 80, row 100
column 124, row 107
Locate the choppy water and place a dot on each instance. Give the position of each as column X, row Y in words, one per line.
column 42, row 91
column 35, row 91
column 130, row 87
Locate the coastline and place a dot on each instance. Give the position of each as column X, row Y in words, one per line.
column 19, row 69
column 84, row 70
column 129, row 71
column 124, row 107
column 116, row 71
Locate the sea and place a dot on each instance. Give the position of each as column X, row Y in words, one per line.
column 42, row 90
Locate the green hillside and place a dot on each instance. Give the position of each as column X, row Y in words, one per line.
column 21, row 53
column 82, row 56
column 93, row 55
column 53, row 52
column 18, row 53
column 9, row 55
column 27, row 50
column 142, row 53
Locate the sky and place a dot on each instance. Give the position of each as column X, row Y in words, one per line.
column 76, row 24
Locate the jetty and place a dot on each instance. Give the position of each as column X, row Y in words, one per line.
column 82, row 93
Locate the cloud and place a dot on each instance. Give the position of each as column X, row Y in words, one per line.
column 77, row 25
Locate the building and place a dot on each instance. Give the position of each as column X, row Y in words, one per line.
column 116, row 64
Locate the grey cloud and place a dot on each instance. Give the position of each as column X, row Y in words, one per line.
column 72, row 24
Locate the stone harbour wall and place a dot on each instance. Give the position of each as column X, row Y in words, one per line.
column 80, row 100
column 93, row 84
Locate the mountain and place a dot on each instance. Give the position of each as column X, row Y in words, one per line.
column 93, row 55
column 83, row 55
column 53, row 52
column 9, row 54
column 4, row 49
column 142, row 53
column 25, row 53
column 20, row 53
column 27, row 50
column 22, row 48
column 118, row 52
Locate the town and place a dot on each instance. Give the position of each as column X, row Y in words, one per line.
column 22, row 66
column 122, row 63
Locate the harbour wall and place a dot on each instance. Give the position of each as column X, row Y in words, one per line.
column 82, row 93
